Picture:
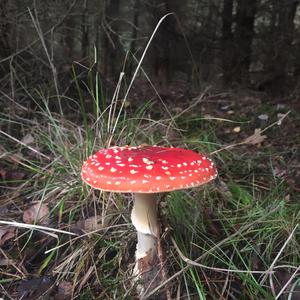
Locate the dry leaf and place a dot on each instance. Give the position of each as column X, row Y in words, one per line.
column 256, row 138
column 6, row 233
column 27, row 139
column 38, row 213
column 263, row 117
column 93, row 223
column 236, row 129
column 64, row 291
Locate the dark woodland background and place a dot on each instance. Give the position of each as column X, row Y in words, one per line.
column 225, row 43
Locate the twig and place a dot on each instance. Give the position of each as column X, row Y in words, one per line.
column 258, row 133
column 36, row 227
column 196, row 264
column 162, row 262
column 287, row 283
column 280, row 252
column 23, row 144
column 241, row 230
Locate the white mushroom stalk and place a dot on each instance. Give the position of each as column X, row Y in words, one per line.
column 144, row 219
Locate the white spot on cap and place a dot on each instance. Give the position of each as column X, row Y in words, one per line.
column 144, row 181
column 121, row 165
column 117, row 183
column 167, row 173
column 199, row 161
column 108, row 182
column 150, row 167
column 118, row 157
column 107, row 163
column 185, row 164
column 147, row 161
column 164, row 168
column 108, row 156
column 88, row 179
column 100, row 168
column 158, row 177
column 182, row 177
column 206, row 169
column 133, row 171
column 172, row 178
column 97, row 164
column 132, row 182
column 178, row 165
column 112, row 169
column 164, row 161
column 130, row 159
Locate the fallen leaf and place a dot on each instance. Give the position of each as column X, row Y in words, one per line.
column 64, row 291
column 263, row 117
column 236, row 129
column 37, row 213
column 255, row 139
column 35, row 288
column 6, row 233
column 93, row 223
column 27, row 139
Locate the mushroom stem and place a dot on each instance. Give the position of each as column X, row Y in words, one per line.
column 144, row 219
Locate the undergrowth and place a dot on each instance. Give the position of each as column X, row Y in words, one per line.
column 237, row 238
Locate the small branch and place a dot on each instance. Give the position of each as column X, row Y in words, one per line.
column 23, row 144
column 196, row 264
column 258, row 133
column 162, row 262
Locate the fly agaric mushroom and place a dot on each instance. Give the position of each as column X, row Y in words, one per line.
column 146, row 171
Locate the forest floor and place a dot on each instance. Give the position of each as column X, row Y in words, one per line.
column 246, row 222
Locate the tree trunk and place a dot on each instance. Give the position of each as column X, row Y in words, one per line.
column 279, row 53
column 111, row 55
column 244, row 34
column 135, row 26
column 4, row 29
column 285, row 34
column 84, row 31
column 227, row 41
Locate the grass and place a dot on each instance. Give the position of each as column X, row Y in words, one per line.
column 237, row 238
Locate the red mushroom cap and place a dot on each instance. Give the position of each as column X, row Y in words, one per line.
column 147, row 169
